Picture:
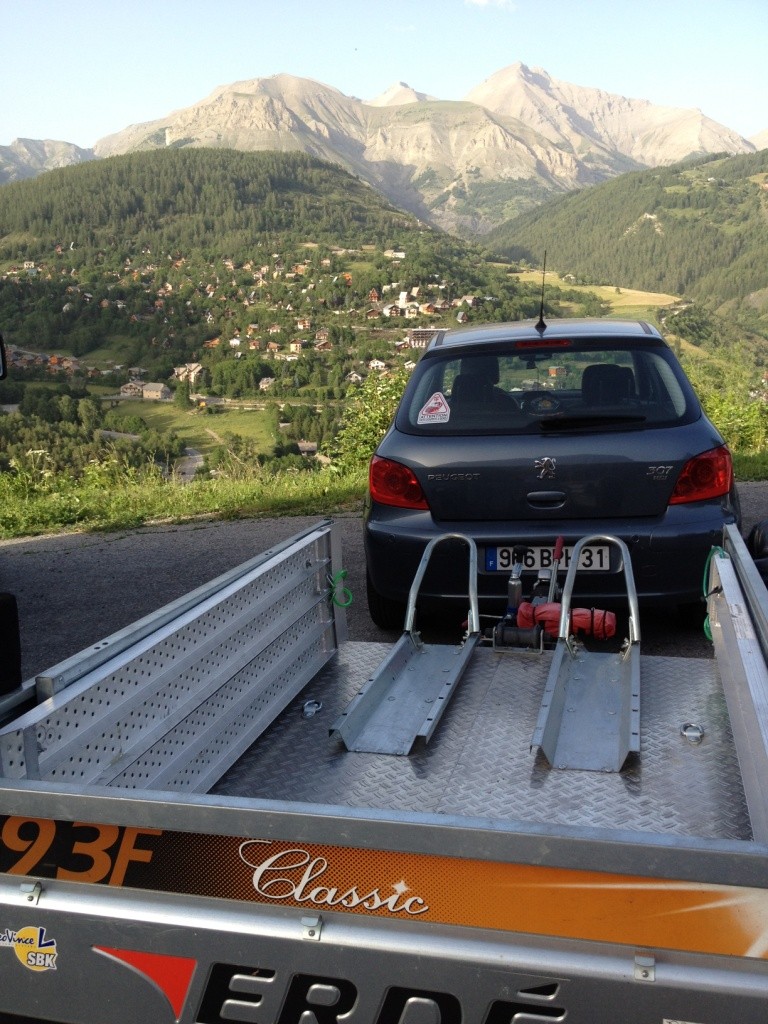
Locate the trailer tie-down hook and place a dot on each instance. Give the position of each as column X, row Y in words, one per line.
column 336, row 589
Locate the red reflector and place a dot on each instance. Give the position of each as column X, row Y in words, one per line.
column 392, row 483
column 709, row 475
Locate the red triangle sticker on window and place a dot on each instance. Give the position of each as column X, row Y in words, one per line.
column 435, row 410
column 171, row 974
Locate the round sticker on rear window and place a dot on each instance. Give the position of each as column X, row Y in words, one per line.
column 434, row 410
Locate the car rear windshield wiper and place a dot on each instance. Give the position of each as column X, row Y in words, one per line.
column 592, row 420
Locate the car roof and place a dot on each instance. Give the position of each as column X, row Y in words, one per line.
column 520, row 330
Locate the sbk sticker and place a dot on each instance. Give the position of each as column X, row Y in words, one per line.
column 32, row 947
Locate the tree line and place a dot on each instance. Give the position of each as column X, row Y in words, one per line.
column 698, row 230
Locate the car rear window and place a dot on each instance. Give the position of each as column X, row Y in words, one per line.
column 514, row 391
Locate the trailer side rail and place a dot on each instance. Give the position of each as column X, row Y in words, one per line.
column 738, row 614
column 173, row 707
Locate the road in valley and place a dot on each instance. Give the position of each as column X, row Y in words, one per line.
column 75, row 589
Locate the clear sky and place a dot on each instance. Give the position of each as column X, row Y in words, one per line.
column 77, row 70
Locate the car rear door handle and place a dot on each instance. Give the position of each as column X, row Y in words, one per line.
column 546, row 499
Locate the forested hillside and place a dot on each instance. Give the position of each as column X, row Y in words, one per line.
column 696, row 230
column 213, row 200
column 165, row 250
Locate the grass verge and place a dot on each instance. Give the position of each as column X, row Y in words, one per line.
column 144, row 499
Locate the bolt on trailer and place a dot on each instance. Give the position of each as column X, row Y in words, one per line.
column 185, row 835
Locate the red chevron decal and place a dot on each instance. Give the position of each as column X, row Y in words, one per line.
column 171, row 974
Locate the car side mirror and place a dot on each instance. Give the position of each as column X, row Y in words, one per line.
column 3, row 364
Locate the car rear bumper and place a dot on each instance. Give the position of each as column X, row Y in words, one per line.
column 669, row 554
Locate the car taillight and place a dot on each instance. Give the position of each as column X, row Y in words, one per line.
column 392, row 483
column 709, row 475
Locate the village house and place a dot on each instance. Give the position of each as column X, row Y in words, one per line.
column 297, row 346
column 190, row 372
column 376, row 364
column 266, row 383
column 63, row 364
column 420, row 337
column 155, row 392
column 133, row 389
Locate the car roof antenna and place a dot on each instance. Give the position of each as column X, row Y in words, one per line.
column 541, row 326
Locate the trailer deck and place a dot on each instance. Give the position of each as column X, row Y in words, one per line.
column 238, row 689
column 480, row 763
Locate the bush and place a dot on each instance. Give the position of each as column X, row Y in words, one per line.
column 370, row 408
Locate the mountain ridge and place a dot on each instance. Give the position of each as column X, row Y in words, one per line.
column 465, row 166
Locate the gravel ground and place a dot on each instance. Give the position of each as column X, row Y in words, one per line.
column 75, row 589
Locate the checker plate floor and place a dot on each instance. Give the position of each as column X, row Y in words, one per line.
column 479, row 763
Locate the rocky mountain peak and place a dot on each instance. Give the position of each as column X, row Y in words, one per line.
column 397, row 95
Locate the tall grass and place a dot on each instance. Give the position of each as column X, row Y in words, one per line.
column 750, row 466
column 112, row 497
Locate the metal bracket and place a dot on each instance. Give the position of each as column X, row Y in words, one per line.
column 31, row 891
column 645, row 968
column 312, row 928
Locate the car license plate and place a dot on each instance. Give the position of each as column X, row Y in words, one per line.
column 594, row 558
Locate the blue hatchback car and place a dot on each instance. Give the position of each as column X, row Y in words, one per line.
column 517, row 434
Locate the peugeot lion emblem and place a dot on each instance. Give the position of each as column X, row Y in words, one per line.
column 546, row 468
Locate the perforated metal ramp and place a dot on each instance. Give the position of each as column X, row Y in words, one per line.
column 171, row 702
